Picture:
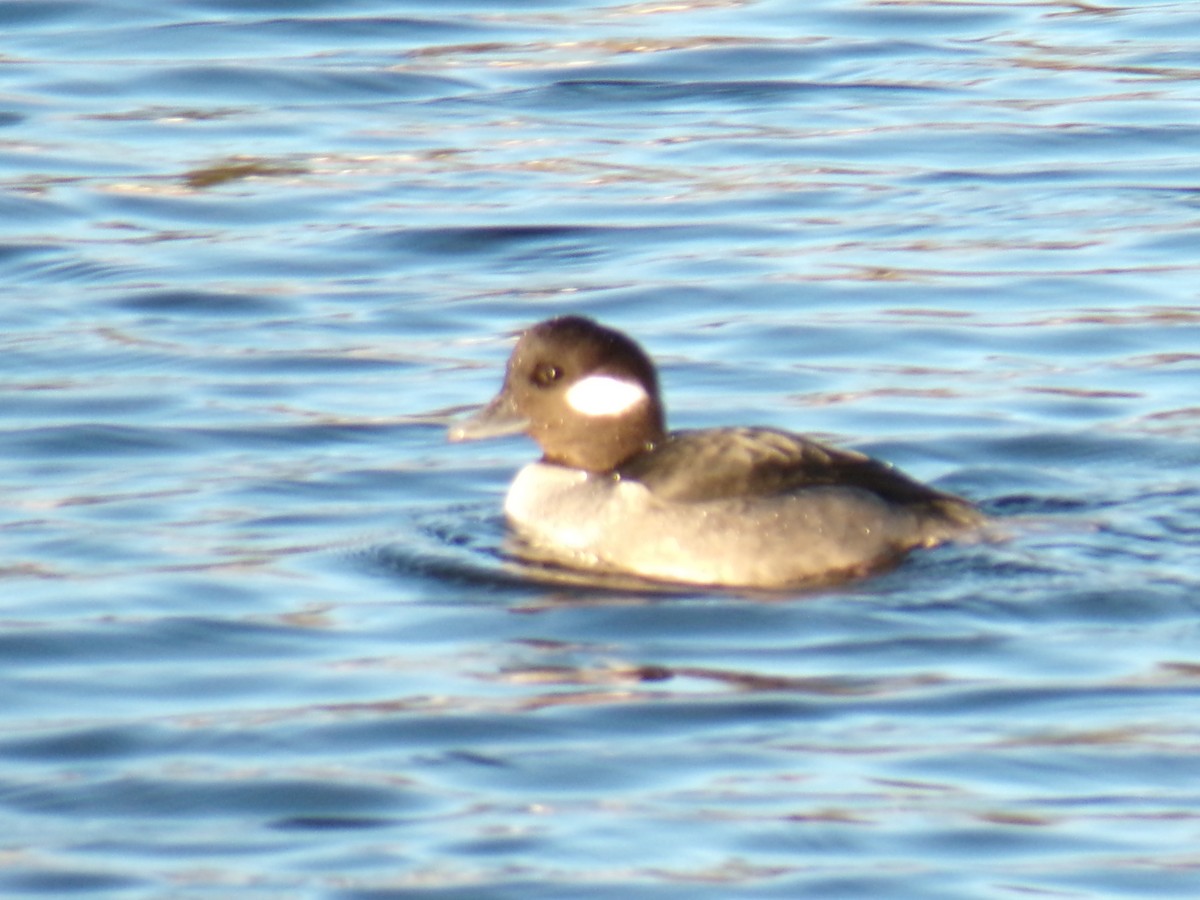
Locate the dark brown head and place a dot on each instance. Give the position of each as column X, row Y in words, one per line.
column 587, row 394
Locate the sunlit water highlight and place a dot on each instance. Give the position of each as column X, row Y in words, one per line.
column 259, row 636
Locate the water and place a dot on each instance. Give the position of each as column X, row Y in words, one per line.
column 256, row 637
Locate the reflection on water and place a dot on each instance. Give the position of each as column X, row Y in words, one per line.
column 260, row 628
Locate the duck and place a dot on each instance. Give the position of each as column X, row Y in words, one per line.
column 730, row 507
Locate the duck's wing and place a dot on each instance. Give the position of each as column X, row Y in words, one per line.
column 729, row 463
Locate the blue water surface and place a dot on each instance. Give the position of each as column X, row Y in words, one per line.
column 257, row 633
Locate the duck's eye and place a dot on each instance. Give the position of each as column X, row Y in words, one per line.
column 545, row 375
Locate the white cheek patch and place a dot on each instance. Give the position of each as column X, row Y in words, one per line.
column 603, row 395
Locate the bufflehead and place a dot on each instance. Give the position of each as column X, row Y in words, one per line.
column 616, row 492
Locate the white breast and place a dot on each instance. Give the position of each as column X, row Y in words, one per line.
column 571, row 509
